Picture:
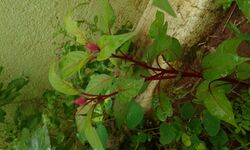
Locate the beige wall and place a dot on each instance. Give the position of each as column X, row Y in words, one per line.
column 26, row 28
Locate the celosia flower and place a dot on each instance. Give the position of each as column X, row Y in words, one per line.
column 80, row 101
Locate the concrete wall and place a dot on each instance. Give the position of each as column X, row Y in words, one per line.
column 26, row 28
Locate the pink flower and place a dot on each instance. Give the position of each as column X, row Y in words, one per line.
column 116, row 72
column 93, row 47
column 80, row 101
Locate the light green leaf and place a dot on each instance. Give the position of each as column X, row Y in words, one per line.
column 128, row 88
column 107, row 16
column 91, row 134
column 219, row 65
column 243, row 71
column 167, row 133
column 225, row 3
column 135, row 114
column 103, row 134
column 229, row 46
column 98, row 83
column 233, row 28
column 216, row 101
column 186, row 140
column 72, row 63
column 109, row 43
column 164, row 5
column 211, row 123
column 72, row 28
column 59, row 84
column 165, row 108
column 244, row 6
column 159, row 26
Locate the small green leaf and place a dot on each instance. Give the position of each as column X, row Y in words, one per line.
column 98, row 83
column 229, row 46
column 72, row 63
column 186, row 140
column 165, row 108
column 233, row 28
column 107, row 16
column 195, row 126
column 198, row 144
column 187, row 111
column 158, row 27
column 225, row 3
column 135, row 114
column 244, row 6
column 164, row 5
column 91, row 134
column 59, row 84
column 72, row 28
column 167, row 133
column 109, row 43
column 211, row 124
column 243, row 71
column 2, row 115
column 103, row 134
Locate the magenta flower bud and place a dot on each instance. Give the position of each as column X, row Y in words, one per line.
column 93, row 47
column 116, row 72
column 80, row 101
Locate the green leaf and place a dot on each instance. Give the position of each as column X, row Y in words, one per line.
column 198, row 144
column 164, row 5
column 167, row 133
column 219, row 65
column 229, row 46
column 216, row 101
column 187, row 111
column 2, row 115
column 233, row 28
column 72, row 28
column 195, row 126
column 244, row 6
column 211, row 124
column 72, row 63
column 186, row 140
column 158, row 27
column 1, row 69
column 59, row 84
column 98, row 83
column 243, row 71
column 109, row 43
column 120, row 112
column 91, row 134
column 107, row 16
column 103, row 134
column 165, row 108
column 220, row 139
column 128, row 88
column 135, row 114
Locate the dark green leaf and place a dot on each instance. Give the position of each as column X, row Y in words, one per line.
column 59, row 84
column 158, row 27
column 72, row 63
column 167, row 133
column 164, row 5
column 195, row 126
column 98, row 83
column 135, row 114
column 244, row 6
column 109, row 43
column 187, row 111
column 211, row 123
column 107, row 16
column 220, row 139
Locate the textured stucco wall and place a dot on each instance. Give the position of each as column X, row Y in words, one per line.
column 26, row 28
